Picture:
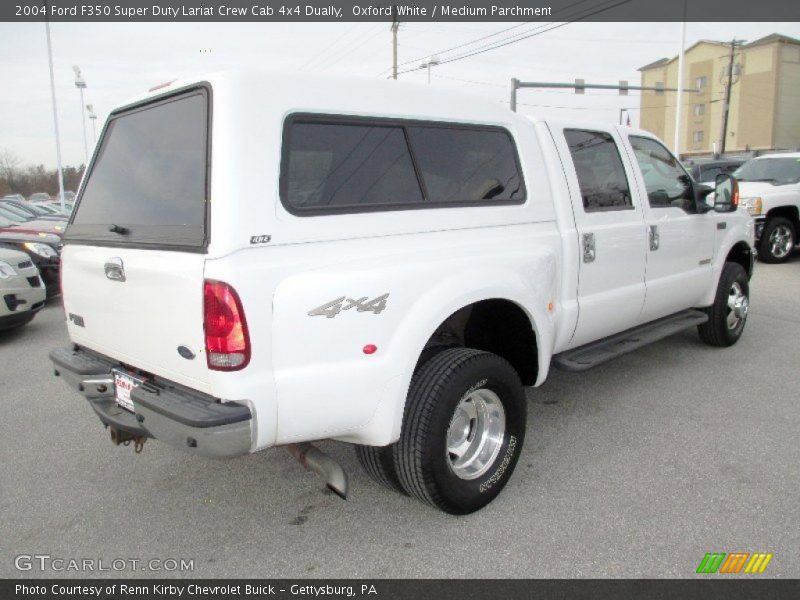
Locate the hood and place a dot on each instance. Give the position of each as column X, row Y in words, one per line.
column 748, row 189
column 37, row 226
column 16, row 234
column 12, row 256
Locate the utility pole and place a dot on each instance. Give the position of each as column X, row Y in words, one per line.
column 727, row 106
column 395, row 25
column 679, row 98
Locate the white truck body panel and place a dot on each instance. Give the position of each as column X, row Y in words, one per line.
column 308, row 377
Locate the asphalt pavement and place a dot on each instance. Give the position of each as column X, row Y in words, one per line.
column 635, row 469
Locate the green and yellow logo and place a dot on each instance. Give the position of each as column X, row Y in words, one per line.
column 720, row 562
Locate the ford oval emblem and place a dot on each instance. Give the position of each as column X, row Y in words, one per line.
column 186, row 352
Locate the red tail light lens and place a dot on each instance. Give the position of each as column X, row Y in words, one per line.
column 227, row 340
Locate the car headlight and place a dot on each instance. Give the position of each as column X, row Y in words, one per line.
column 6, row 270
column 41, row 249
column 753, row 205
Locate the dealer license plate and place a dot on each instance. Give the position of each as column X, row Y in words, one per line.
column 123, row 386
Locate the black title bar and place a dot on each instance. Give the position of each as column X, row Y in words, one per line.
column 412, row 10
column 708, row 588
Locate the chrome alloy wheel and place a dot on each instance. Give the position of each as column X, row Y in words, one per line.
column 738, row 306
column 475, row 434
column 780, row 241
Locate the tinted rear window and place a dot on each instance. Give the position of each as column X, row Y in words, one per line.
column 363, row 165
column 149, row 177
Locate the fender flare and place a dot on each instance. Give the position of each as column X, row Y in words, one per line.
column 440, row 302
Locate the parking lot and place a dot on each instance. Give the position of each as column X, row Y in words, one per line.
column 635, row 469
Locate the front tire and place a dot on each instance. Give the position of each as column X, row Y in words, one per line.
column 463, row 429
column 777, row 240
column 728, row 315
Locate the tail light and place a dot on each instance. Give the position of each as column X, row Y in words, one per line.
column 227, row 339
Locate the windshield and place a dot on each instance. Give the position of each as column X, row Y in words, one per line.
column 778, row 170
column 13, row 215
column 147, row 185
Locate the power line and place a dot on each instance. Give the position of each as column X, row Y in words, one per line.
column 471, row 42
column 328, row 47
column 525, row 36
column 340, row 54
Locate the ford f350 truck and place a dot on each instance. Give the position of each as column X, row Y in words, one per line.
column 261, row 260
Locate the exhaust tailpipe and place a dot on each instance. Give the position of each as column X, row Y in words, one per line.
column 314, row 459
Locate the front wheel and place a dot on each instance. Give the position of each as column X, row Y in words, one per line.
column 463, row 429
column 728, row 315
column 777, row 240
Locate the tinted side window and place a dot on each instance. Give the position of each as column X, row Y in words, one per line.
column 667, row 183
column 332, row 166
column 466, row 165
column 599, row 168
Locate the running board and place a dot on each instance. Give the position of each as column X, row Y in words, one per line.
column 596, row 353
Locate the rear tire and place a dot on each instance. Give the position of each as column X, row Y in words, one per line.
column 378, row 462
column 777, row 241
column 463, row 430
column 728, row 315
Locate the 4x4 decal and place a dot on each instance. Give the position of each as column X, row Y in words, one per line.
column 364, row 304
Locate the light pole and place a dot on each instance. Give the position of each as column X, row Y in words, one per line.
column 93, row 119
column 80, row 83
column 430, row 62
column 55, row 112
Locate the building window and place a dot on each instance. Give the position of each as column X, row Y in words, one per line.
column 699, row 110
column 697, row 136
column 701, row 82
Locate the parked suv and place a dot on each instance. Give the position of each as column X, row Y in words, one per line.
column 770, row 189
column 21, row 289
column 418, row 258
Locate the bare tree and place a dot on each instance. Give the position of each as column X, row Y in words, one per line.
column 9, row 164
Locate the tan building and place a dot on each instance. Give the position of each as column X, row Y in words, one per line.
column 765, row 97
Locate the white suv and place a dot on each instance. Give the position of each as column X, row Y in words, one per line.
column 411, row 259
column 770, row 189
column 22, row 291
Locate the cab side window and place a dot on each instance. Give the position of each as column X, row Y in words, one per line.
column 667, row 182
column 599, row 168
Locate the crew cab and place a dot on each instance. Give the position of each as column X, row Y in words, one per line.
column 413, row 259
column 770, row 191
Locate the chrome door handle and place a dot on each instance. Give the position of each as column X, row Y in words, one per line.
column 115, row 269
column 589, row 252
column 655, row 237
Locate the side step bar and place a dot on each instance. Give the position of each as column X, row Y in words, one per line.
column 596, row 353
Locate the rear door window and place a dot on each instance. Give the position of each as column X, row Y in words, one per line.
column 148, row 184
column 599, row 168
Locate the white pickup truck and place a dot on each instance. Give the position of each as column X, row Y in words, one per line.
column 770, row 190
column 259, row 260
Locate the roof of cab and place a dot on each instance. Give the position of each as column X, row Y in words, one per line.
column 318, row 93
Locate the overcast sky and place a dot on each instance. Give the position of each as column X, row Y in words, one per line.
column 120, row 60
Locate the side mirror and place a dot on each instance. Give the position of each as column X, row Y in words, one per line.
column 726, row 193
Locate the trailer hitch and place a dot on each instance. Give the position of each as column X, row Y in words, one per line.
column 122, row 437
